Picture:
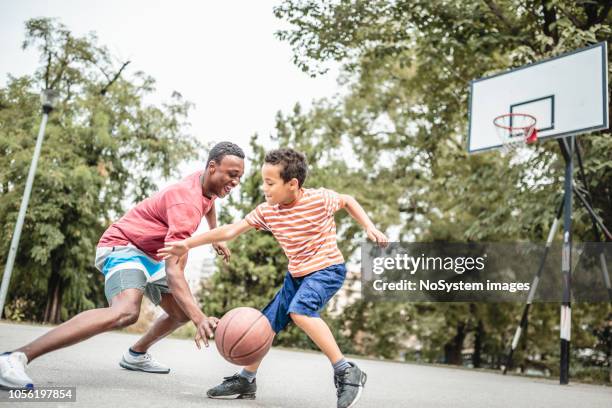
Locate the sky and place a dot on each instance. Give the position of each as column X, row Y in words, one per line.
column 221, row 55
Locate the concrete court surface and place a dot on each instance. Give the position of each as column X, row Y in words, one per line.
column 286, row 379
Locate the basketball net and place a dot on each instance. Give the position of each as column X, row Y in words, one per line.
column 515, row 130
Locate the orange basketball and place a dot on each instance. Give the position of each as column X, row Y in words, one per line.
column 243, row 336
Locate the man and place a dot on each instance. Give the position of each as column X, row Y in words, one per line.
column 127, row 256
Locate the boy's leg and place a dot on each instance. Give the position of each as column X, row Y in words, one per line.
column 312, row 296
column 123, row 311
column 243, row 384
column 137, row 357
column 348, row 378
column 320, row 334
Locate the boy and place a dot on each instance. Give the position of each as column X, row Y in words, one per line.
column 302, row 220
column 127, row 256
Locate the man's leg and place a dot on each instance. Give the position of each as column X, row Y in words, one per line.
column 137, row 357
column 123, row 311
column 172, row 319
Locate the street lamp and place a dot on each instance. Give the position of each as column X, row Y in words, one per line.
column 48, row 99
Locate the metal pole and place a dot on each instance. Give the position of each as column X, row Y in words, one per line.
column 595, row 219
column 586, row 201
column 566, row 268
column 10, row 261
column 533, row 289
column 608, row 237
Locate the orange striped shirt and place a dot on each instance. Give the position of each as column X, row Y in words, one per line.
column 306, row 230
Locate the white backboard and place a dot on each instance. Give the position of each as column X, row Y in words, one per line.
column 567, row 94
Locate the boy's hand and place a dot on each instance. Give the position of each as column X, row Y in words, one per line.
column 177, row 248
column 378, row 237
column 222, row 250
column 205, row 328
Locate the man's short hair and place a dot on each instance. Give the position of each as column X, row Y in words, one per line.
column 220, row 150
column 293, row 164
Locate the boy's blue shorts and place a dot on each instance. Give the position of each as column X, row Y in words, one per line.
column 307, row 295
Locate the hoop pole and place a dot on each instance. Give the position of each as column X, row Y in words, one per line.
column 586, row 200
column 595, row 220
column 565, row 327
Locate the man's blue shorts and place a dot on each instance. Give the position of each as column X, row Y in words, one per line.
column 307, row 295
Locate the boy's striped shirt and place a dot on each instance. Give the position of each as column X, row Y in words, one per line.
column 306, row 230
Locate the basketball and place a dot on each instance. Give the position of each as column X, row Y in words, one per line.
column 243, row 336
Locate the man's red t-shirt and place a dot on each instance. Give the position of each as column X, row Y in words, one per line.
column 171, row 214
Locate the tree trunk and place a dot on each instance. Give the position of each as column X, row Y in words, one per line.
column 55, row 290
column 608, row 342
column 452, row 349
column 476, row 357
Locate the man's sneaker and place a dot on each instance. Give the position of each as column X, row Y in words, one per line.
column 349, row 385
column 143, row 362
column 235, row 386
column 12, row 371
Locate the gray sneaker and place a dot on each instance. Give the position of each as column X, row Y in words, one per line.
column 235, row 386
column 349, row 386
column 143, row 362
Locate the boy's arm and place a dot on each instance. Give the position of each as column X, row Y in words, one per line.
column 220, row 248
column 224, row 233
column 358, row 213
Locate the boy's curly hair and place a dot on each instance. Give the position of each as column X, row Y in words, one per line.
column 293, row 164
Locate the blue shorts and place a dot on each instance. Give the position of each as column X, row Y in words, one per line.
column 307, row 295
column 127, row 267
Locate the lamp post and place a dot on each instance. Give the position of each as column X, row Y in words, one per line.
column 48, row 100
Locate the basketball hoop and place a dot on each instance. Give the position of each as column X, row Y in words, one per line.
column 516, row 129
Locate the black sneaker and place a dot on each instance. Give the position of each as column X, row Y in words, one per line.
column 234, row 387
column 349, row 385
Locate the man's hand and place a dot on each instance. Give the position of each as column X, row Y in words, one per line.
column 222, row 250
column 176, row 248
column 205, row 328
column 378, row 237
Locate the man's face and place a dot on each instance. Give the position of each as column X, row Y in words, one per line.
column 276, row 190
column 225, row 175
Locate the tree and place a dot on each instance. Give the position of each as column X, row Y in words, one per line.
column 103, row 149
column 407, row 65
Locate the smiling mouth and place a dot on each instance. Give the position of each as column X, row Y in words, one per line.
column 227, row 189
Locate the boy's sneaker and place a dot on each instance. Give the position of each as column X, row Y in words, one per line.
column 12, row 371
column 143, row 362
column 235, row 386
column 349, row 385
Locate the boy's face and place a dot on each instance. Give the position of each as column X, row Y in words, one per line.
column 276, row 190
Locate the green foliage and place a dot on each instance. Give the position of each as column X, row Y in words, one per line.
column 103, row 146
column 406, row 66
